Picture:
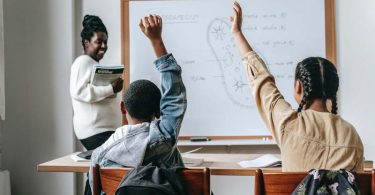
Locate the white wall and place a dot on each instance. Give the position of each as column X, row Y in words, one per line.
column 356, row 61
column 1, row 145
column 38, row 127
column 109, row 12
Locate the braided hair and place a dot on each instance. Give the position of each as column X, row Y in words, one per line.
column 319, row 79
column 90, row 25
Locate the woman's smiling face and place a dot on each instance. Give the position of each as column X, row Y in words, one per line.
column 97, row 46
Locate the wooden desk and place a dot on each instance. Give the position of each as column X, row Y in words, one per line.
column 226, row 164
column 228, row 142
column 220, row 164
column 64, row 164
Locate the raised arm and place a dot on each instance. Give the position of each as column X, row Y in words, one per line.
column 271, row 105
column 173, row 101
column 151, row 26
column 242, row 45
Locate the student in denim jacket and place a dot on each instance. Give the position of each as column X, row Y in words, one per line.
column 145, row 138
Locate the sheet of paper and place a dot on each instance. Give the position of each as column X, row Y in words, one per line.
column 192, row 162
column 267, row 160
column 79, row 159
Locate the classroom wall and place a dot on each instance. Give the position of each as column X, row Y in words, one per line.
column 38, row 127
column 40, row 46
column 1, row 144
column 356, row 62
column 109, row 12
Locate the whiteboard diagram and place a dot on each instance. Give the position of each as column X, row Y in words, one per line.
column 222, row 45
column 198, row 34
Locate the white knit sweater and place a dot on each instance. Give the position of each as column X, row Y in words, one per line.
column 94, row 111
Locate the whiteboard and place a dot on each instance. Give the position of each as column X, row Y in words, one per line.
column 220, row 103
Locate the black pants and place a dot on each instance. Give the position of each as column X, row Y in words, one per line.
column 91, row 143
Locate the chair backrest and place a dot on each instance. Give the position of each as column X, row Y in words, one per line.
column 197, row 180
column 283, row 183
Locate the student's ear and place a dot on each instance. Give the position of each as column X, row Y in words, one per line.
column 122, row 106
column 298, row 91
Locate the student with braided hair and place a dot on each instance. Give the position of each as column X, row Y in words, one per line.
column 314, row 136
column 96, row 112
column 320, row 82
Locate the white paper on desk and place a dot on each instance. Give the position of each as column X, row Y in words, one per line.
column 79, row 159
column 267, row 160
column 192, row 162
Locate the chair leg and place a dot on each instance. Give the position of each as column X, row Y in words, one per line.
column 259, row 182
column 207, row 183
column 96, row 180
column 373, row 182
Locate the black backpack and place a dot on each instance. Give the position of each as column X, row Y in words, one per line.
column 152, row 180
column 328, row 182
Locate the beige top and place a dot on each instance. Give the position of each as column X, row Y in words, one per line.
column 309, row 139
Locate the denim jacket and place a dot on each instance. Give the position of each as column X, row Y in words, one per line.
column 150, row 142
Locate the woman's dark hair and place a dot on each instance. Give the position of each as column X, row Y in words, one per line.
column 319, row 79
column 90, row 25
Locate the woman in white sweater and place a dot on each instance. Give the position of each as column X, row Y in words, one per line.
column 96, row 113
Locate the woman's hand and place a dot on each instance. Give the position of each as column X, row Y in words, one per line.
column 236, row 19
column 117, row 85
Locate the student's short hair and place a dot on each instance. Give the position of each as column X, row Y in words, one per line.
column 91, row 24
column 142, row 99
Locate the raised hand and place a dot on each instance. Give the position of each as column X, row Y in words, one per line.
column 236, row 19
column 151, row 26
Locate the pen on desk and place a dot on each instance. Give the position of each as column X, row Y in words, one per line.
column 199, row 139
